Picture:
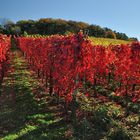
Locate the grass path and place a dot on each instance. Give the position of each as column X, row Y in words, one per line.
column 22, row 117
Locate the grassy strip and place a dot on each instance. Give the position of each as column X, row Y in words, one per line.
column 22, row 116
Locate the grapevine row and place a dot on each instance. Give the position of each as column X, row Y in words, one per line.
column 71, row 64
column 5, row 42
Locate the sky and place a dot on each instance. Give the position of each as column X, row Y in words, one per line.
column 120, row 15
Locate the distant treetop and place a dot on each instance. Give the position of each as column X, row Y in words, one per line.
column 50, row 26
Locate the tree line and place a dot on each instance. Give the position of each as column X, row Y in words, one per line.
column 49, row 26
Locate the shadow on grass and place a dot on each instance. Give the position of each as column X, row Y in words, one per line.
column 21, row 116
column 46, row 129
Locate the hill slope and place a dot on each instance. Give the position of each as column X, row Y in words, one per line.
column 107, row 41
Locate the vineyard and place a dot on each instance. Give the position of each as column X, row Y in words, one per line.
column 4, row 48
column 68, row 87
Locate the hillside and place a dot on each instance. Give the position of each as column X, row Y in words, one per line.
column 108, row 41
column 50, row 26
column 65, row 88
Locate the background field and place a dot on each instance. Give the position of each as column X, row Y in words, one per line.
column 107, row 41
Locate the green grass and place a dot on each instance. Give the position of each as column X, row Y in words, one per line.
column 22, row 117
column 107, row 41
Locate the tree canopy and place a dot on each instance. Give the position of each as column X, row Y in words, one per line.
column 49, row 26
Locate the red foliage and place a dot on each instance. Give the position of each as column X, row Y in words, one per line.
column 69, row 61
column 4, row 48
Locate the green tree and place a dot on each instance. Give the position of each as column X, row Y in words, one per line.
column 27, row 25
column 1, row 29
column 96, row 31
